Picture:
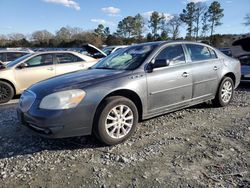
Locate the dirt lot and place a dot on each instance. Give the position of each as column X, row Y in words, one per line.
column 197, row 147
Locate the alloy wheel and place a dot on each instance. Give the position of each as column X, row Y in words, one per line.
column 4, row 92
column 226, row 91
column 119, row 121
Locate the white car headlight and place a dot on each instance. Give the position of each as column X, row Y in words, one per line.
column 62, row 100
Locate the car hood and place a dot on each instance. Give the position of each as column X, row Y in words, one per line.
column 93, row 51
column 75, row 80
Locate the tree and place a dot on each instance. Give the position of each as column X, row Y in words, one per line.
column 113, row 40
column 215, row 13
column 200, row 9
column 125, row 27
column 138, row 26
column 106, row 32
column 100, row 30
column 188, row 17
column 42, row 37
column 16, row 36
column 205, row 25
column 155, row 23
column 247, row 20
column 164, row 35
column 63, row 35
column 174, row 26
column 3, row 41
column 149, row 37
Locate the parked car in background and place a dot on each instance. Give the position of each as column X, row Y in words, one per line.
column 245, row 66
column 20, row 74
column 226, row 51
column 244, row 56
column 111, row 49
column 7, row 56
column 136, row 83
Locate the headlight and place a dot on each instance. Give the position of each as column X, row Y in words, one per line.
column 62, row 100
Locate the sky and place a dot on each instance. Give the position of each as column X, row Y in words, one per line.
column 27, row 16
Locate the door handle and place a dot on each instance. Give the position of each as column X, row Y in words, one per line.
column 185, row 74
column 50, row 68
column 82, row 65
column 216, row 68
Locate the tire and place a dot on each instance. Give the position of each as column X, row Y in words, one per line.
column 6, row 92
column 226, row 87
column 110, row 128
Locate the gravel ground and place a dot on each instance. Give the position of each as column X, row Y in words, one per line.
column 200, row 146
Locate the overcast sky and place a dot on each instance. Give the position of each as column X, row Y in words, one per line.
column 26, row 16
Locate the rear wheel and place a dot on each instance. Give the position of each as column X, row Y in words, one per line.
column 6, row 92
column 118, row 117
column 225, row 92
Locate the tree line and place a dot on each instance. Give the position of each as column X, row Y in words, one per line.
column 199, row 19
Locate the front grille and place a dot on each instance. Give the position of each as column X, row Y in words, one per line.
column 26, row 100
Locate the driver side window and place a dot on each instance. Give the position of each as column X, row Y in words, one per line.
column 40, row 60
column 173, row 54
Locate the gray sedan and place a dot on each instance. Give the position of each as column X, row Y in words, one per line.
column 136, row 83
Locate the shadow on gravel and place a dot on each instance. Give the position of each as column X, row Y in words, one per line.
column 245, row 86
column 19, row 141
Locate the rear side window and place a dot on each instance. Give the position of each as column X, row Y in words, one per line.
column 173, row 53
column 13, row 56
column 67, row 58
column 200, row 53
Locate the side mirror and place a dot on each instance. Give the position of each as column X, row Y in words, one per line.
column 23, row 65
column 150, row 67
column 161, row 63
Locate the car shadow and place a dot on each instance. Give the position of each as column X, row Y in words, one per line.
column 17, row 140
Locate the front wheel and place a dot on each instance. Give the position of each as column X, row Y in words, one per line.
column 225, row 92
column 118, row 117
column 6, row 92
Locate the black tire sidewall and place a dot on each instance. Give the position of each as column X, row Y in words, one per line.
column 11, row 92
column 221, row 102
column 110, row 103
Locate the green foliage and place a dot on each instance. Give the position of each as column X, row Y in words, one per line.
column 215, row 13
column 174, row 26
column 156, row 22
column 188, row 17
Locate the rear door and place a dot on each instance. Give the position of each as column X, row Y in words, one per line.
column 39, row 67
column 204, row 69
column 67, row 62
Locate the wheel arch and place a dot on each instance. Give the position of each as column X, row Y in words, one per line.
column 133, row 96
column 230, row 75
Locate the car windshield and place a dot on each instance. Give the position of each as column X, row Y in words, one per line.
column 18, row 60
column 127, row 59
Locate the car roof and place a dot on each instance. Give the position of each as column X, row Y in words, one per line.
column 13, row 51
column 117, row 46
column 160, row 43
column 85, row 57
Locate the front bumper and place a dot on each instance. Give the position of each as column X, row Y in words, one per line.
column 57, row 123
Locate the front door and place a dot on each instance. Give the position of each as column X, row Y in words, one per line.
column 169, row 86
column 37, row 68
column 67, row 62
